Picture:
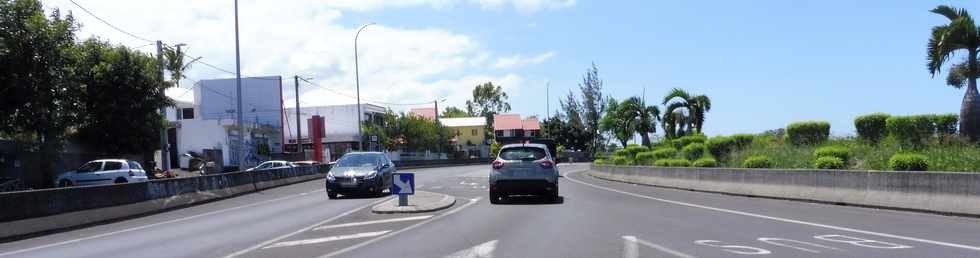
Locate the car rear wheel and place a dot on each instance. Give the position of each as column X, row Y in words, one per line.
column 331, row 195
column 120, row 180
column 495, row 197
column 554, row 194
column 65, row 183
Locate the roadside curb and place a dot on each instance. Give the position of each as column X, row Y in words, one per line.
column 420, row 202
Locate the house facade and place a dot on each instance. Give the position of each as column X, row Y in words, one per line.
column 470, row 135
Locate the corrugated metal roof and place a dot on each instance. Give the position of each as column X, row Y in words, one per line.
column 463, row 121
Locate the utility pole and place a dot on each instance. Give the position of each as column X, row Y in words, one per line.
column 547, row 94
column 238, row 84
column 164, row 148
column 357, row 82
column 436, row 104
column 299, row 132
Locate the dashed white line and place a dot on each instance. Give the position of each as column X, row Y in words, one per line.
column 484, row 250
column 631, row 250
column 154, row 224
column 749, row 214
column 326, row 239
column 354, row 224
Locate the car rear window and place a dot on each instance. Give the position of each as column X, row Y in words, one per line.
column 523, row 153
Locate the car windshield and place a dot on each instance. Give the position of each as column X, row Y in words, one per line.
column 359, row 160
column 522, row 153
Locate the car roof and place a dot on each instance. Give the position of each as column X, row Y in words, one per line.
column 116, row 160
column 534, row 145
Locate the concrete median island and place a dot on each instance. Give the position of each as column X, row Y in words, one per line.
column 950, row 193
column 420, row 202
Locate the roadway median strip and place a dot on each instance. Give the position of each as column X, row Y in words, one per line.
column 422, row 201
column 327, row 239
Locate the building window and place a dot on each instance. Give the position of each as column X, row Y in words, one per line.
column 473, row 132
column 186, row 113
column 500, row 133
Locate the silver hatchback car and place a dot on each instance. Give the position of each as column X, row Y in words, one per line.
column 524, row 169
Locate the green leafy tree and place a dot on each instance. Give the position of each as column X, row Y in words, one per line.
column 618, row 122
column 488, row 100
column 38, row 97
column 122, row 92
column 409, row 133
column 454, row 112
column 593, row 106
column 961, row 34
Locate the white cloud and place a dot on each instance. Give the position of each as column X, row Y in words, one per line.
column 526, row 6
column 518, row 61
column 306, row 37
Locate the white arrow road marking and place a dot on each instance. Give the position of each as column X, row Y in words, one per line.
column 327, row 239
column 631, row 250
column 403, row 187
column 484, row 250
column 373, row 222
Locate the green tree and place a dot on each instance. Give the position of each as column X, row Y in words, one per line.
column 566, row 127
column 122, row 92
column 618, row 122
column 695, row 109
column 454, row 112
column 38, row 97
column 593, row 106
column 488, row 100
column 645, row 117
column 409, row 133
column 961, row 34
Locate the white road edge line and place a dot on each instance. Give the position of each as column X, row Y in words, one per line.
column 635, row 250
column 630, row 248
column 326, row 239
column 484, row 250
column 154, row 224
column 277, row 239
column 444, row 214
column 373, row 222
column 914, row 239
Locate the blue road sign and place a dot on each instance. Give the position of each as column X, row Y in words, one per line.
column 404, row 184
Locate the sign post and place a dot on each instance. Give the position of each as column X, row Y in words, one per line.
column 403, row 186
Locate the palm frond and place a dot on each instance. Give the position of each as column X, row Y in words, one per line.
column 948, row 11
column 677, row 93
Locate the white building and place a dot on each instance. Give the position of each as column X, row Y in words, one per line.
column 341, row 127
column 208, row 124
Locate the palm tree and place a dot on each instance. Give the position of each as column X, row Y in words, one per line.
column 960, row 34
column 174, row 62
column 645, row 117
column 673, row 122
column 696, row 106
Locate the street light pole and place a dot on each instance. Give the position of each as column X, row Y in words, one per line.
column 164, row 153
column 357, row 82
column 238, row 84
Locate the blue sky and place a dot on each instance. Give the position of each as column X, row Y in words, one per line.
column 763, row 63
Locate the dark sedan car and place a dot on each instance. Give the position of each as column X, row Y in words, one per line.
column 360, row 173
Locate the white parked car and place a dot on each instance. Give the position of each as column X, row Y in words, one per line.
column 103, row 171
column 272, row 164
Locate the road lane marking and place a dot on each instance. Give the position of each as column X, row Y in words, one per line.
column 362, row 244
column 776, row 242
column 277, row 239
column 749, row 214
column 484, row 250
column 154, row 224
column 631, row 250
column 327, row 239
column 353, row 224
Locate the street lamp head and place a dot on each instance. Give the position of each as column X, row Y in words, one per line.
column 180, row 45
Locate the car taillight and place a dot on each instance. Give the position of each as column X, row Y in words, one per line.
column 547, row 164
column 497, row 164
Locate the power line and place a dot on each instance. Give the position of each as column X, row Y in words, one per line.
column 366, row 100
column 107, row 23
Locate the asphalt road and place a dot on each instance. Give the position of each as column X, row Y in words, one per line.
column 596, row 219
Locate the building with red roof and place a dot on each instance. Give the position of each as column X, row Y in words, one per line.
column 512, row 126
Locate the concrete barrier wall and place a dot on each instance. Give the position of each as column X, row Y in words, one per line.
column 942, row 192
column 30, row 212
column 406, row 164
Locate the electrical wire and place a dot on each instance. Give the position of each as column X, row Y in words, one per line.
column 365, row 99
column 110, row 24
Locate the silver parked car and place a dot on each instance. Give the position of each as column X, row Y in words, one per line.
column 524, row 169
column 272, row 164
column 103, row 171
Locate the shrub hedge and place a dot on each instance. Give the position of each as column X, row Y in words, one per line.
column 829, row 162
column 705, row 163
column 620, row 153
column 908, row 162
column 687, row 140
column 946, row 124
column 721, row 146
column 678, row 163
column 599, row 162
column 664, row 153
column 694, row 151
column 645, row 158
column 808, row 132
column 631, row 150
column 742, row 140
column 910, row 130
column 757, row 162
column 621, row 161
column 871, row 127
column 661, row 162
column 839, row 152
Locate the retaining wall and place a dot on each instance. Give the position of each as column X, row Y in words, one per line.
column 940, row 192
